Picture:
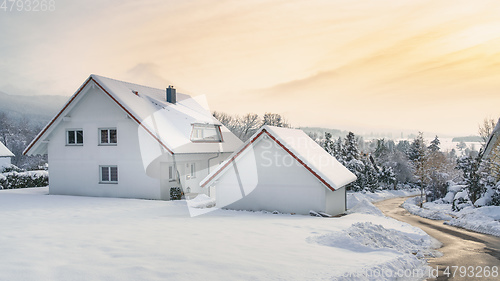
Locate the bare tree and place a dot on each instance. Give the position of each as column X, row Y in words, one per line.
column 486, row 129
column 274, row 119
column 231, row 123
column 249, row 124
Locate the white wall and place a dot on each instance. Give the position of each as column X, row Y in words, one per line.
column 74, row 170
column 183, row 162
column 335, row 201
column 268, row 178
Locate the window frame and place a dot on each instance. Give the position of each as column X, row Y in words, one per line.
column 109, row 167
column 75, row 132
column 201, row 128
column 192, row 170
column 109, row 143
column 171, row 173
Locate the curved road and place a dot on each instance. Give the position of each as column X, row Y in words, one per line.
column 460, row 247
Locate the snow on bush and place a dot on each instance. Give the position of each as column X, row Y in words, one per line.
column 484, row 220
column 13, row 179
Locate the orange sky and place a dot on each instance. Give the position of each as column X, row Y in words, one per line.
column 367, row 66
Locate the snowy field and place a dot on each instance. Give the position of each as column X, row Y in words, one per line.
column 51, row 237
column 485, row 219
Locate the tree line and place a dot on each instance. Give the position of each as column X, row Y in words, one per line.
column 16, row 134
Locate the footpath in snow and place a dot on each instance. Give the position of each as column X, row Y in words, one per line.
column 51, row 237
column 484, row 219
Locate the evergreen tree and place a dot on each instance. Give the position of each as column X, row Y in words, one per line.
column 328, row 144
column 471, row 168
column 417, row 149
column 370, row 176
column 351, row 147
column 404, row 147
column 387, row 176
column 434, row 145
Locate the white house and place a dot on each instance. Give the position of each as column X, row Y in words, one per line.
column 5, row 156
column 280, row 169
column 119, row 139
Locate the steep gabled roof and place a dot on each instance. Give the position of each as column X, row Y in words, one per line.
column 303, row 149
column 4, row 151
column 493, row 140
column 169, row 124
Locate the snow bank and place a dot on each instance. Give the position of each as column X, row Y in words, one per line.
column 366, row 236
column 427, row 210
column 369, row 237
column 484, row 219
column 201, row 201
column 359, row 202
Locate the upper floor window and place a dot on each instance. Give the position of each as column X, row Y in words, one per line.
column 107, row 136
column 206, row 133
column 74, row 137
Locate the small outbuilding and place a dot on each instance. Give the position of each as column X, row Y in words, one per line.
column 5, row 156
column 280, row 169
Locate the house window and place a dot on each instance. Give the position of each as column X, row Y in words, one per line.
column 74, row 137
column 171, row 175
column 206, row 133
column 107, row 136
column 192, row 173
column 108, row 174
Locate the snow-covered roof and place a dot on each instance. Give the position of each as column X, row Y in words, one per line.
column 303, row 149
column 4, row 151
column 493, row 140
column 168, row 123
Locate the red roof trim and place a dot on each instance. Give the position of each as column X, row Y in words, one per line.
column 301, row 162
column 280, row 144
column 233, row 158
column 133, row 117
column 57, row 116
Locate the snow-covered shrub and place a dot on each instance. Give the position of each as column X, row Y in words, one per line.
column 461, row 201
column 13, row 180
column 175, row 193
column 11, row 168
column 495, row 197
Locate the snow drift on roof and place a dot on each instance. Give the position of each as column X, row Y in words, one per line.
column 169, row 124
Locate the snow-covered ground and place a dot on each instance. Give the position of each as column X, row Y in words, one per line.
column 484, row 219
column 51, row 237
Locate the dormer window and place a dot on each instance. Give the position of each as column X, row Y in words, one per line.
column 206, row 133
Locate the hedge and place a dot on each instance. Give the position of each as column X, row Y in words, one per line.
column 12, row 180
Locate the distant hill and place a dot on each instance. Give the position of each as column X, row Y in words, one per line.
column 38, row 109
column 468, row 139
column 320, row 132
